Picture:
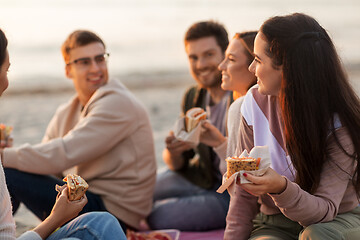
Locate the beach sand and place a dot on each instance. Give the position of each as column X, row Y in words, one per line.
column 29, row 114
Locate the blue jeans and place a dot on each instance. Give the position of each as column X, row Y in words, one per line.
column 89, row 226
column 182, row 205
column 38, row 194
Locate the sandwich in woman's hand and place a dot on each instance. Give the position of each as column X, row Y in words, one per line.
column 235, row 164
column 77, row 186
column 193, row 117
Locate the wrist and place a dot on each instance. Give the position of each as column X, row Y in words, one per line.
column 282, row 185
column 54, row 220
column 221, row 141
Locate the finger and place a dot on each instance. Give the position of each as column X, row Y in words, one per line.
column 177, row 145
column 81, row 202
column 169, row 139
column 252, row 178
column 64, row 192
column 205, row 124
column 252, row 189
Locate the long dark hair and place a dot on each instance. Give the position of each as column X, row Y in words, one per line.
column 3, row 47
column 314, row 90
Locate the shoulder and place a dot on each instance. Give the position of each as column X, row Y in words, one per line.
column 114, row 96
column 194, row 96
column 235, row 107
column 73, row 102
column 340, row 152
column 249, row 102
column 194, row 91
column 257, row 105
column 341, row 136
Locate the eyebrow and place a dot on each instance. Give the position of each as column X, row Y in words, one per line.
column 210, row 50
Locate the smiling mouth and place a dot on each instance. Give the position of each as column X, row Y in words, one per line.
column 95, row 79
column 204, row 73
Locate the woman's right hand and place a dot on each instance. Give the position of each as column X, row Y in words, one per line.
column 211, row 136
column 64, row 210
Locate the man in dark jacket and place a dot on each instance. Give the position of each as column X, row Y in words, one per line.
column 185, row 195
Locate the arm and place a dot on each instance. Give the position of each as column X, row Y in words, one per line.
column 176, row 151
column 105, row 125
column 211, row 136
column 323, row 205
column 242, row 210
column 173, row 153
column 301, row 206
column 243, row 206
column 62, row 212
column 7, row 223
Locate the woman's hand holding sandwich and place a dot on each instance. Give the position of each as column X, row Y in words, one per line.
column 62, row 212
column 211, row 136
column 270, row 182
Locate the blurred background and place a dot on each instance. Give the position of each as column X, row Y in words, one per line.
column 145, row 40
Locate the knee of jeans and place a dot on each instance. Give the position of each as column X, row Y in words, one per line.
column 104, row 218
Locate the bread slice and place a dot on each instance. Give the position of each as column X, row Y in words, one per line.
column 235, row 164
column 192, row 118
column 77, row 186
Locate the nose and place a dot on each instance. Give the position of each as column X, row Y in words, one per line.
column 252, row 66
column 201, row 63
column 94, row 66
column 222, row 65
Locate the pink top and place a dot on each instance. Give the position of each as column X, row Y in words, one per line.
column 334, row 195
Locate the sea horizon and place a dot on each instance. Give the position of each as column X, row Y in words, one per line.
column 145, row 38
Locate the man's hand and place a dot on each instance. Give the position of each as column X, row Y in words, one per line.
column 172, row 154
column 6, row 143
column 211, row 136
column 270, row 182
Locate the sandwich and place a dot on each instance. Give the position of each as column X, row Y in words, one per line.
column 193, row 117
column 77, row 186
column 5, row 138
column 153, row 235
column 235, row 164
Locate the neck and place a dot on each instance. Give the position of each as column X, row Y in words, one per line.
column 237, row 95
column 216, row 94
column 83, row 100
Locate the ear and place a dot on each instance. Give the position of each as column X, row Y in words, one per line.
column 68, row 71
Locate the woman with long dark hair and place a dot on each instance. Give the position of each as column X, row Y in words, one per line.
column 305, row 110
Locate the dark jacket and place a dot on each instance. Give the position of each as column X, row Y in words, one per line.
column 201, row 173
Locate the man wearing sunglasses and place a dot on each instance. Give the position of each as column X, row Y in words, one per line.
column 102, row 134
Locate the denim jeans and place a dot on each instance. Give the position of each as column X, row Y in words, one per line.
column 38, row 194
column 182, row 205
column 89, row 226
